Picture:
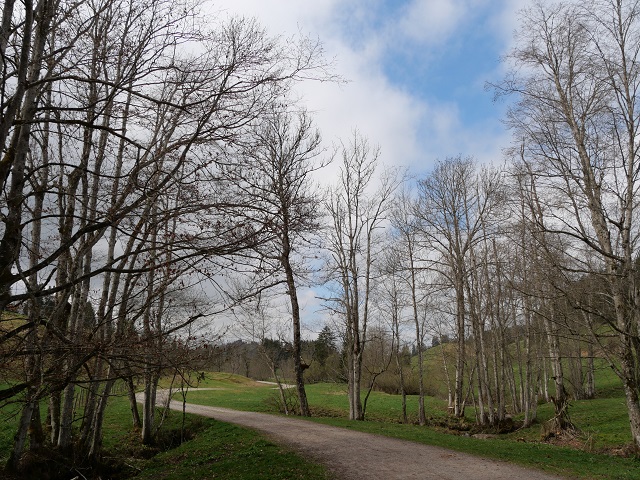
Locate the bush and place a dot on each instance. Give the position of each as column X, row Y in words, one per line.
column 275, row 401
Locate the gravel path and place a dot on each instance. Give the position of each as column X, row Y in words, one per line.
column 354, row 455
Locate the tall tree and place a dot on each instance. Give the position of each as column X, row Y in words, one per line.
column 357, row 209
column 454, row 201
column 274, row 172
column 405, row 223
column 109, row 132
column 576, row 73
column 391, row 302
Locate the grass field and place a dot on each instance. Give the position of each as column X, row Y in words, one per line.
column 214, row 450
column 217, row 450
column 325, row 399
column 226, row 451
column 603, row 423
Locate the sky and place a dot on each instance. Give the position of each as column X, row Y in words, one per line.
column 416, row 71
column 416, row 74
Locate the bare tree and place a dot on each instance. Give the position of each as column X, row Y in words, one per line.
column 406, row 225
column 357, row 210
column 576, row 75
column 454, row 201
column 391, row 302
column 113, row 114
column 274, row 171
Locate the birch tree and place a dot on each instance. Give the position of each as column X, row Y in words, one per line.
column 357, row 208
column 576, row 76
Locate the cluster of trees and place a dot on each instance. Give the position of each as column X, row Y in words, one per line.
column 531, row 267
column 146, row 154
column 273, row 358
column 576, row 76
column 151, row 161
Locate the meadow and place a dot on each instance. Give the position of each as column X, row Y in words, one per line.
column 217, row 450
column 211, row 450
column 601, row 449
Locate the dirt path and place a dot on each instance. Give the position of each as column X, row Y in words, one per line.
column 354, row 455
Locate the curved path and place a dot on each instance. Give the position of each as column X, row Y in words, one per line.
column 352, row 455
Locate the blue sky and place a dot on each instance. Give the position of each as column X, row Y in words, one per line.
column 417, row 71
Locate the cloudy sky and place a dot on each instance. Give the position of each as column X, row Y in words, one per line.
column 417, row 71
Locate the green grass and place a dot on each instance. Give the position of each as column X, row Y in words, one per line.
column 215, row 450
column 380, row 406
column 229, row 452
column 219, row 450
column 326, row 399
column 603, row 421
column 233, row 391
column 8, row 421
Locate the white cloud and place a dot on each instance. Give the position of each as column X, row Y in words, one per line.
column 446, row 135
column 506, row 22
column 384, row 114
column 432, row 21
column 409, row 129
column 388, row 116
column 281, row 16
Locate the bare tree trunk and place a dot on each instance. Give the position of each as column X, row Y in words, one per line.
column 523, row 380
column 356, row 411
column 28, row 416
column 560, row 401
column 21, row 435
column 632, row 399
column 422, row 418
column 94, row 440
column 133, row 403
column 458, row 397
column 448, row 378
column 149, row 406
column 577, row 374
column 395, row 318
column 35, row 28
column 54, row 416
column 297, row 340
column 591, row 378
column 530, row 388
column 545, row 376
column 403, row 393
